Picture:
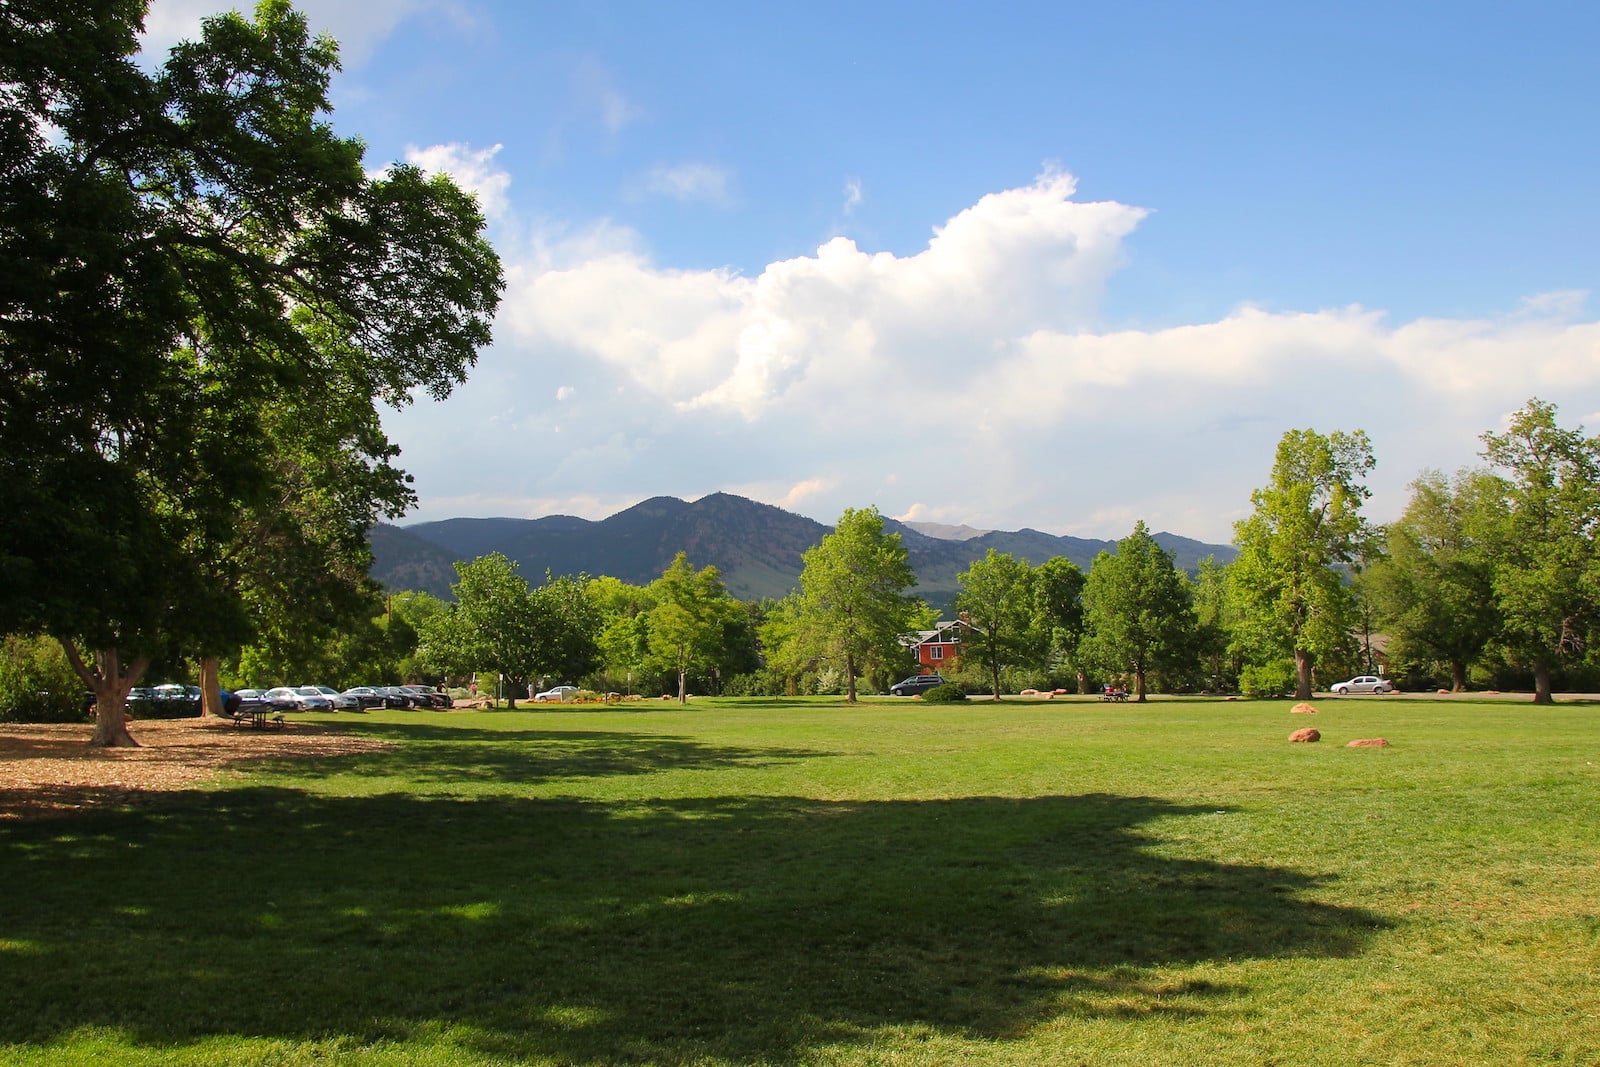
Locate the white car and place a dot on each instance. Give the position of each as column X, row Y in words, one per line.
column 1367, row 683
column 559, row 695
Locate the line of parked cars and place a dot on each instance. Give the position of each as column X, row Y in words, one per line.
column 172, row 700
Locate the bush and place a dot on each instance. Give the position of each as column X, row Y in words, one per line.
column 37, row 684
column 948, row 693
column 1268, row 679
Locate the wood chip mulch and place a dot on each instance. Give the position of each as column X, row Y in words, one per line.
column 52, row 769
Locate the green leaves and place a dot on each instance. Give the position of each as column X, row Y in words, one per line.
column 195, row 273
column 1307, row 525
column 1138, row 610
column 852, row 607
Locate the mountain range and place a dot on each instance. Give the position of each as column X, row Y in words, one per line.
column 756, row 547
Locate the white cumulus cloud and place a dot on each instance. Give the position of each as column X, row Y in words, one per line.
column 971, row 381
column 474, row 171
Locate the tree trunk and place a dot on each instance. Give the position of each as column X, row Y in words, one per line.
column 1138, row 684
column 110, row 684
column 1302, row 674
column 850, row 678
column 1083, row 682
column 683, row 686
column 1458, row 676
column 210, row 688
column 1541, row 685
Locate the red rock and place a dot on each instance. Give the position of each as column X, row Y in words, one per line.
column 1368, row 742
column 1302, row 709
column 1305, row 735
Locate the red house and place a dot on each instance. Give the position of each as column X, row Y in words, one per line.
column 939, row 649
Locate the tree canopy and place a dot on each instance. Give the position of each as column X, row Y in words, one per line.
column 997, row 598
column 687, row 626
column 1296, row 549
column 1546, row 571
column 1138, row 610
column 1433, row 585
column 852, row 607
column 191, row 260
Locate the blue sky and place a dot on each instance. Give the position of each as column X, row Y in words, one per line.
column 1056, row 265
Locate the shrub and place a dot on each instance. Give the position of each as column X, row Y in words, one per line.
column 948, row 693
column 37, row 684
column 1268, row 679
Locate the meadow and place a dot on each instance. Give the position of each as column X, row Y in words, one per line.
column 741, row 882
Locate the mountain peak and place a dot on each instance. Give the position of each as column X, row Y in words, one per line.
column 756, row 547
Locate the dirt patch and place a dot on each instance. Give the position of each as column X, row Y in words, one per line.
column 51, row 769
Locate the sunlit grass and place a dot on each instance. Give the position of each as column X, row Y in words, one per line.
column 753, row 882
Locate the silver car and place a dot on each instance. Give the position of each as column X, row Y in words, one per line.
column 1366, row 683
column 339, row 700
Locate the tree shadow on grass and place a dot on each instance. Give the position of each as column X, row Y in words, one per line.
column 741, row 930
column 435, row 755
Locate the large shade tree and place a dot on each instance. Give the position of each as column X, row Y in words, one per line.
column 1138, row 610
column 1297, row 548
column 179, row 248
column 1058, row 616
column 997, row 598
column 501, row 626
column 691, row 616
column 1546, row 573
column 853, row 607
column 1433, row 586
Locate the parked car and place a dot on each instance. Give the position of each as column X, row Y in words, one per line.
column 916, row 685
column 433, row 697
column 1366, row 683
column 561, row 694
column 366, row 697
column 340, row 701
column 396, row 697
column 170, row 700
column 280, row 699
column 310, row 698
column 284, row 698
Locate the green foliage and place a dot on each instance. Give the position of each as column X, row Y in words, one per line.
column 999, row 597
column 37, row 684
column 207, row 297
column 1138, row 611
column 1546, row 563
column 1274, row 678
column 948, row 693
column 1058, row 619
column 852, row 607
column 1433, row 586
column 692, row 617
column 1289, row 583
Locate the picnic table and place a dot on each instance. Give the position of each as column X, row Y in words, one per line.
column 258, row 716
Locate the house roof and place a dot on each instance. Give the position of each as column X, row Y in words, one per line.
column 936, row 635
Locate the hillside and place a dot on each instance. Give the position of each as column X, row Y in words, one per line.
column 756, row 547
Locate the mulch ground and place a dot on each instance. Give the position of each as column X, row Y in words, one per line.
column 52, row 770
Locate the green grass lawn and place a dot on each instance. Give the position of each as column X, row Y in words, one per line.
column 788, row 882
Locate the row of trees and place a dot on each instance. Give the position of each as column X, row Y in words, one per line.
column 1496, row 568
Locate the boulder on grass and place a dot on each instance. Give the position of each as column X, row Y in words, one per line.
column 1302, row 708
column 1368, row 742
column 1306, row 735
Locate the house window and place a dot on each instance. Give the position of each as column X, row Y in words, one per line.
column 936, row 652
